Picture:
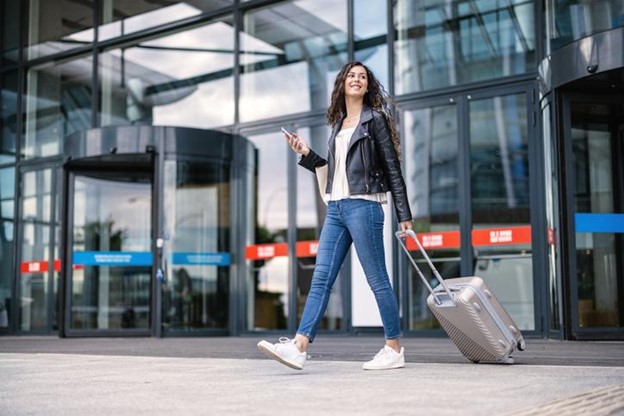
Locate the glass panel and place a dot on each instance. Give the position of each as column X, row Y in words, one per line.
column 431, row 172
column 291, row 53
column 197, row 227
column 370, row 27
column 310, row 215
column 112, row 260
column 58, row 103
column 570, row 20
column 122, row 17
column 8, row 116
column 58, row 25
column 36, row 258
column 268, row 286
column 7, row 244
column 552, row 219
column 442, row 43
column 501, row 237
column 146, row 84
column 9, row 32
column 595, row 129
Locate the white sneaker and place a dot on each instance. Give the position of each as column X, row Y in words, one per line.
column 386, row 359
column 286, row 352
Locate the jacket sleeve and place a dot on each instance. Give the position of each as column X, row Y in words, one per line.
column 391, row 166
column 312, row 161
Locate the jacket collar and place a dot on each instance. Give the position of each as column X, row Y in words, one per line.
column 365, row 116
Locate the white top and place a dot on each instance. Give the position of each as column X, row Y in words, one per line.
column 340, row 184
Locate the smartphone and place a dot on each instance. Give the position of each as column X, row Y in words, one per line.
column 286, row 132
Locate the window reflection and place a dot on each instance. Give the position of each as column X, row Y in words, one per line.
column 111, row 215
column 196, row 211
column 569, row 20
column 290, row 54
column 370, row 36
column 268, row 286
column 58, row 25
column 7, row 221
column 121, row 17
column 58, row 103
column 8, row 116
column 499, row 177
column 33, row 289
column 499, row 160
column 443, row 43
column 431, row 172
column 9, row 31
column 147, row 83
column 552, row 218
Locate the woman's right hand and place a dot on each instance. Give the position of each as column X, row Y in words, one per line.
column 297, row 144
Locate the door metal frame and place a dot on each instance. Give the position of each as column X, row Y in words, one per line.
column 462, row 99
column 15, row 311
column 569, row 263
column 124, row 163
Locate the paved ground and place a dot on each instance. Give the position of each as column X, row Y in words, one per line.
column 189, row 376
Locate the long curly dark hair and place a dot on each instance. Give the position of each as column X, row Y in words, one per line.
column 376, row 98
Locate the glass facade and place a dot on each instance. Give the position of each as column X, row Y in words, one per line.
column 570, row 20
column 447, row 43
column 145, row 83
column 110, row 217
column 500, row 194
column 197, row 222
column 290, row 54
column 432, row 174
column 500, row 172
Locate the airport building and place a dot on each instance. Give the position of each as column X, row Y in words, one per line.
column 146, row 189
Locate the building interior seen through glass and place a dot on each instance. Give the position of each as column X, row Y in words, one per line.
column 197, row 220
column 597, row 144
column 110, row 215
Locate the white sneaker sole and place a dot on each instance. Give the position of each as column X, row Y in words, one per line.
column 267, row 348
column 392, row 367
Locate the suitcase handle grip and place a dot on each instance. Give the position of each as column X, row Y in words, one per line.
column 400, row 235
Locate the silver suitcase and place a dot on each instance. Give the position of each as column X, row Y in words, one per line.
column 470, row 314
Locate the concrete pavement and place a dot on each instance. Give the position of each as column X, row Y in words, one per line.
column 197, row 376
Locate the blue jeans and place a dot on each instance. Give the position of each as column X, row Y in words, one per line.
column 360, row 222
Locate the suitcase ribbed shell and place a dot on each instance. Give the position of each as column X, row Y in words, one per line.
column 470, row 348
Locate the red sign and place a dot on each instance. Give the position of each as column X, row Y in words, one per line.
column 501, row 236
column 40, row 266
column 433, row 241
column 266, row 251
column 307, row 248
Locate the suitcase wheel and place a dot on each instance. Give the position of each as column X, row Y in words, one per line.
column 521, row 345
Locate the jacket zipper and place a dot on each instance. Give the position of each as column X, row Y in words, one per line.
column 365, row 169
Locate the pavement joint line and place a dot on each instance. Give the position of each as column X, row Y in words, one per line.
column 309, row 363
column 604, row 401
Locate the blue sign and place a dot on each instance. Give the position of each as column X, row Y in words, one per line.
column 113, row 258
column 599, row 223
column 211, row 259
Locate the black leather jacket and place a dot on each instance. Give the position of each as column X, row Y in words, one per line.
column 372, row 163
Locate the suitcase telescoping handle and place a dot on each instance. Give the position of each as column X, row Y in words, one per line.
column 400, row 235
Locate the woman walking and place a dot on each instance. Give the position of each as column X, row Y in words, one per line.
column 363, row 165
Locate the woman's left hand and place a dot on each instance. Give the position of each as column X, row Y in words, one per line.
column 405, row 225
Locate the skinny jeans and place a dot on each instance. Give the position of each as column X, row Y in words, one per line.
column 360, row 222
